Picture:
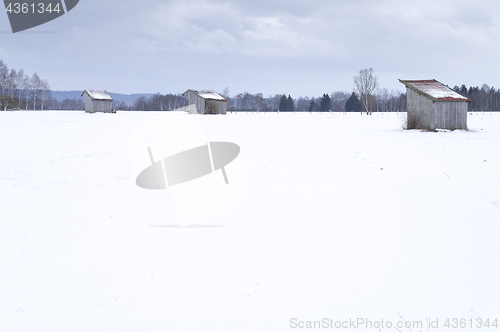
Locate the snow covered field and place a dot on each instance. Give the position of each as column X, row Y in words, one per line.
column 345, row 217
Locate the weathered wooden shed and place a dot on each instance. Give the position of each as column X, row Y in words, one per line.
column 97, row 101
column 206, row 102
column 432, row 105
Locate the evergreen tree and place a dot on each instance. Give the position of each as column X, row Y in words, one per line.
column 325, row 104
column 313, row 107
column 353, row 104
column 463, row 90
column 283, row 103
column 290, row 104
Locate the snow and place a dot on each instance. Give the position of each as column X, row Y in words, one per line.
column 209, row 94
column 443, row 94
column 435, row 89
column 344, row 217
column 98, row 95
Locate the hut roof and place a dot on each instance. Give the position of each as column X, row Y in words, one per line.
column 207, row 94
column 434, row 90
column 98, row 94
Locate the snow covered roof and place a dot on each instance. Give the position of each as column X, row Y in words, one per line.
column 98, row 94
column 433, row 89
column 207, row 94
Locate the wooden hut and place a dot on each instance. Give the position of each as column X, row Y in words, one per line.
column 205, row 102
column 432, row 105
column 97, row 101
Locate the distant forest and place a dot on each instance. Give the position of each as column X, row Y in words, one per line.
column 483, row 99
column 19, row 90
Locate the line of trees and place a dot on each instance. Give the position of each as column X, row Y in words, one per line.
column 383, row 101
column 22, row 91
column 157, row 102
column 66, row 104
column 484, row 98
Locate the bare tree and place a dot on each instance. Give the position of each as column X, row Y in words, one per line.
column 44, row 92
column 35, row 88
column 20, row 86
column 26, row 86
column 339, row 98
column 225, row 93
column 366, row 83
column 12, row 83
column 4, row 75
column 303, row 104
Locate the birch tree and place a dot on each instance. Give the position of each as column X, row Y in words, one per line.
column 44, row 92
column 12, row 83
column 366, row 83
column 4, row 74
column 24, row 86
column 35, row 88
column 20, row 86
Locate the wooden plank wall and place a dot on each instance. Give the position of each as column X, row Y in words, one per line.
column 197, row 101
column 216, row 107
column 104, row 106
column 420, row 110
column 450, row 115
column 424, row 113
column 88, row 103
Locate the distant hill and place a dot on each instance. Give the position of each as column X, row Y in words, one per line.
column 118, row 97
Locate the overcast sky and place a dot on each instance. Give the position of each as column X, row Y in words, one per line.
column 302, row 48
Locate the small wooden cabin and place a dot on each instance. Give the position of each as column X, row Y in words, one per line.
column 206, row 102
column 97, row 101
column 432, row 105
